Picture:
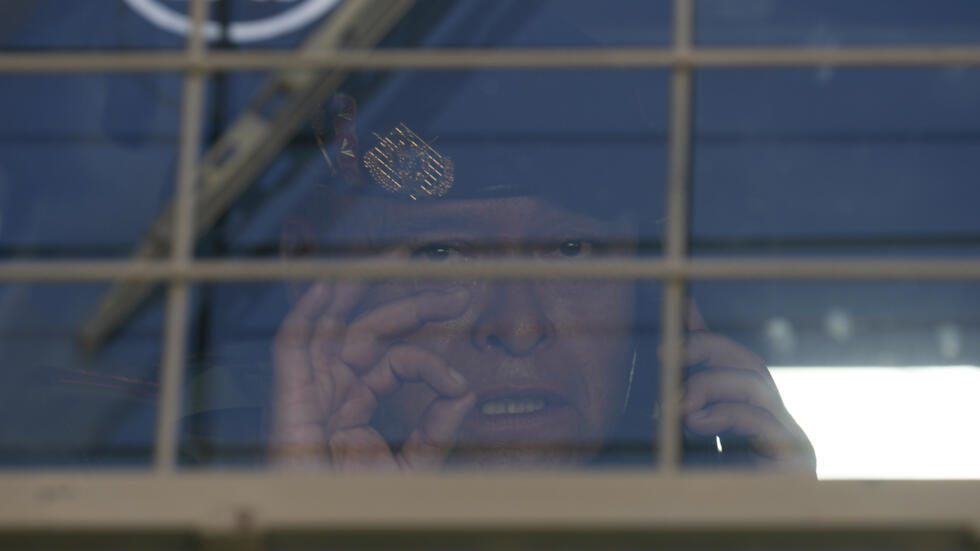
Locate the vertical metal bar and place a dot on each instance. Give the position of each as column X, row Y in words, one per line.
column 178, row 297
column 678, row 174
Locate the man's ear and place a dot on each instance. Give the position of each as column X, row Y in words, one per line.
column 297, row 240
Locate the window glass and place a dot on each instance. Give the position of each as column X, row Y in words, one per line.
column 257, row 24
column 239, row 24
column 836, row 161
column 554, row 374
column 533, row 23
column 879, row 375
column 86, row 162
column 67, row 401
column 39, row 25
column 592, row 141
column 30, row 25
column 449, row 167
column 444, row 167
column 837, row 23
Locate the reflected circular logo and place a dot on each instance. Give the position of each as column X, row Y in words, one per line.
column 279, row 17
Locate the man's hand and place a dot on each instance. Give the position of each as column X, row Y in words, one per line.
column 331, row 371
column 731, row 391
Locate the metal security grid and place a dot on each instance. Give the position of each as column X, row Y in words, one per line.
column 541, row 509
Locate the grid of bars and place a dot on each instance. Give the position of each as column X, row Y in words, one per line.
column 675, row 269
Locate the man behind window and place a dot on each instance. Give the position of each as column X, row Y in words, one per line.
column 423, row 374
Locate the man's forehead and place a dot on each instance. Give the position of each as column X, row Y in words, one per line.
column 514, row 214
column 366, row 223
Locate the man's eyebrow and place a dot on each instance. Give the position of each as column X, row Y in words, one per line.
column 419, row 224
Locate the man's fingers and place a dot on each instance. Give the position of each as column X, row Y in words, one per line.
column 730, row 385
column 694, row 320
column 367, row 334
column 299, row 457
column 331, row 326
column 404, row 363
column 299, row 323
column 768, row 435
column 297, row 410
column 346, row 296
column 430, row 443
column 355, row 407
column 713, row 350
column 360, row 449
column 329, row 378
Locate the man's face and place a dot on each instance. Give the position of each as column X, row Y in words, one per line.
column 547, row 360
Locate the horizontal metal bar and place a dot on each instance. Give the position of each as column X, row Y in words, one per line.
column 215, row 501
column 480, row 58
column 616, row 269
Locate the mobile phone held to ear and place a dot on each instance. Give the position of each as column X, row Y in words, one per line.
column 724, row 449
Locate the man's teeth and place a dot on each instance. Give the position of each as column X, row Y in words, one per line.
column 511, row 407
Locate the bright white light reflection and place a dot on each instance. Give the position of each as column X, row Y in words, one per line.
column 887, row 422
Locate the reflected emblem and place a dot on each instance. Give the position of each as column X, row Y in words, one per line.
column 281, row 17
column 404, row 164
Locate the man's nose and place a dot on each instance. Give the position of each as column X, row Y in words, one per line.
column 513, row 321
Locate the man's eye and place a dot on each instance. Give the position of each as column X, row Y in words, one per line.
column 435, row 251
column 575, row 247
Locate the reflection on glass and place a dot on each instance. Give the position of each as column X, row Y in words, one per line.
column 584, row 138
column 881, row 376
column 242, row 24
column 86, row 162
column 478, row 374
column 425, row 374
column 46, row 25
column 837, row 23
column 448, row 168
column 533, row 24
column 732, row 412
column 836, row 161
column 40, row 25
column 67, row 405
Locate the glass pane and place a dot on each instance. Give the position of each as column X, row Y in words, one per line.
column 247, row 24
column 357, row 376
column 86, row 162
column 835, row 23
column 452, row 166
column 533, row 23
column 32, row 25
column 836, row 161
column 66, row 403
column 253, row 24
column 593, row 141
column 881, row 376
column 244, row 24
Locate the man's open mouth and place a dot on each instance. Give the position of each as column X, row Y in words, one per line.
column 509, row 412
column 512, row 406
